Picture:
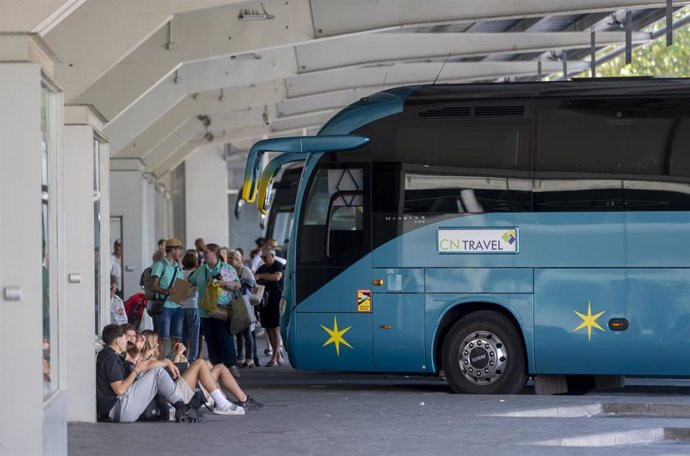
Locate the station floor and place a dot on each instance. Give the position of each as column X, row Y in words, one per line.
column 310, row 413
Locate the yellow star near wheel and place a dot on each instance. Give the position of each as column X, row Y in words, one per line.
column 589, row 321
column 336, row 336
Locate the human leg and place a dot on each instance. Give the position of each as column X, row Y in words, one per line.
column 246, row 336
column 198, row 372
column 176, row 325
column 255, row 356
column 227, row 344
column 192, row 333
column 142, row 392
column 208, row 328
column 239, row 340
column 164, row 321
column 224, row 378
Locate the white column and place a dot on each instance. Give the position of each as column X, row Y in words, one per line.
column 28, row 423
column 206, row 189
column 131, row 198
column 81, row 128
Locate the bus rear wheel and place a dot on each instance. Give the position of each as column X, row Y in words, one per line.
column 483, row 354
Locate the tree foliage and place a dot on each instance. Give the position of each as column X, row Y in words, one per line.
column 654, row 59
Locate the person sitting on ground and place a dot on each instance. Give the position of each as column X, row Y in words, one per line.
column 221, row 377
column 122, row 394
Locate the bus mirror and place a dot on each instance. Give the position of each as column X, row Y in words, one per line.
column 239, row 205
column 294, row 145
column 267, row 198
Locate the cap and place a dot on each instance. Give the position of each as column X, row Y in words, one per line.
column 173, row 243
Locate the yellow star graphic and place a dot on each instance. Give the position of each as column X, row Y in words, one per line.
column 589, row 321
column 336, row 336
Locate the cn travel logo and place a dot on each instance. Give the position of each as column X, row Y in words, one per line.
column 478, row 241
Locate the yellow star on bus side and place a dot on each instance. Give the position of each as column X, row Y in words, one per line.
column 589, row 321
column 336, row 336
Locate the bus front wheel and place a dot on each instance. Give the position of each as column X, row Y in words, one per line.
column 483, row 354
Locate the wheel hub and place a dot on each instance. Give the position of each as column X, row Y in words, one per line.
column 482, row 358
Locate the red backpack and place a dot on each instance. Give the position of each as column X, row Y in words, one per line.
column 134, row 307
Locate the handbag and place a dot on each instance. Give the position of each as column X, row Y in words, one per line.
column 257, row 294
column 220, row 313
column 239, row 315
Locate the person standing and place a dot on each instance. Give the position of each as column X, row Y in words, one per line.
column 118, row 315
column 219, row 340
column 191, row 310
column 246, row 352
column 163, row 275
column 200, row 249
column 270, row 274
column 116, row 264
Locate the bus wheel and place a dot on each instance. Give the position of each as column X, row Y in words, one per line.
column 483, row 354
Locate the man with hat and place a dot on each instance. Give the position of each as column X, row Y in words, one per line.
column 163, row 275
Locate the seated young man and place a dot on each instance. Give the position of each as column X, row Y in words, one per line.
column 123, row 394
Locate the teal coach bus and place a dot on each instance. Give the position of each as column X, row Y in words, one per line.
column 494, row 232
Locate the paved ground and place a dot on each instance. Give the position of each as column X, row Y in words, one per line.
column 321, row 414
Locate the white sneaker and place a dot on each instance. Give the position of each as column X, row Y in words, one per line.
column 231, row 410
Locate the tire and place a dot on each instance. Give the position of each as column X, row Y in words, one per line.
column 497, row 366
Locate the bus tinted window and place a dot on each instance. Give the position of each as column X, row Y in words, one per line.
column 443, row 194
column 469, row 144
column 601, row 136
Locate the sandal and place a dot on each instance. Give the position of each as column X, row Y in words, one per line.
column 270, row 364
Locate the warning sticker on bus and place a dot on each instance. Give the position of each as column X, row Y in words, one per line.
column 363, row 300
column 473, row 240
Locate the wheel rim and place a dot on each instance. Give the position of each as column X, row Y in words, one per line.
column 482, row 358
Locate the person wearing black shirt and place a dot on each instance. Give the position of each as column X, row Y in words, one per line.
column 123, row 392
column 270, row 274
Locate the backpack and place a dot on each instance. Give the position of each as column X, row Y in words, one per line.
column 145, row 283
column 134, row 308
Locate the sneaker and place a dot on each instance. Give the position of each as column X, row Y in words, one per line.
column 188, row 415
column 232, row 409
column 209, row 403
column 235, row 373
column 251, row 404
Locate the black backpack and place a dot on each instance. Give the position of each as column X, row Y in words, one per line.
column 145, row 284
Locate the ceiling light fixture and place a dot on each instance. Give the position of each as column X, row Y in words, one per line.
column 248, row 14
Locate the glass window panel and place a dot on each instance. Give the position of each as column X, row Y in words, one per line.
column 49, row 302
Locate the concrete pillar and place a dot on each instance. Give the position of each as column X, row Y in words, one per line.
column 132, row 201
column 206, row 192
column 83, row 151
column 33, row 419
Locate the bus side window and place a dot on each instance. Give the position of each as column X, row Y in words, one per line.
column 452, row 194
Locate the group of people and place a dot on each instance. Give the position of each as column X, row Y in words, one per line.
column 189, row 322
column 132, row 378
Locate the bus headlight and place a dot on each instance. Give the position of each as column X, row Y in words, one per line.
column 282, row 305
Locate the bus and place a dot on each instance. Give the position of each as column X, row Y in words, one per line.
column 494, row 232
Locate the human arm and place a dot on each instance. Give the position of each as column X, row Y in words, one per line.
column 120, row 387
column 157, row 271
column 177, row 355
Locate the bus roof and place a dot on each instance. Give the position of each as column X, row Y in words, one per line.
column 584, row 87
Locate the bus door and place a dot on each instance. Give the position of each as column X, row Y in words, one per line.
column 334, row 270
